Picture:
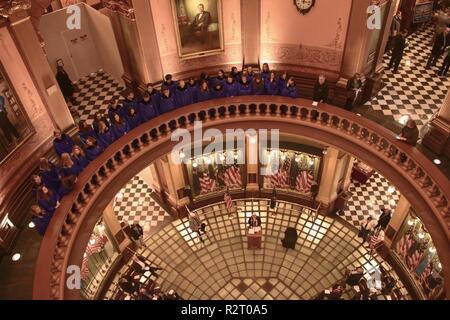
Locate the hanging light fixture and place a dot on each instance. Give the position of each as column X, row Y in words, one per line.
column 194, row 164
column 182, row 155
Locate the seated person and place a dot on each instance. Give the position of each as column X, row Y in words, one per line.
column 62, row 142
column 354, row 276
column 199, row 26
column 254, row 221
column 321, row 90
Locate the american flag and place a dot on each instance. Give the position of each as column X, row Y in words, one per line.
column 228, row 201
column 85, row 268
column 280, row 179
column 206, row 184
column 304, row 181
column 232, row 176
column 97, row 246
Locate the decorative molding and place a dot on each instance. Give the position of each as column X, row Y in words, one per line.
column 11, row 7
column 124, row 7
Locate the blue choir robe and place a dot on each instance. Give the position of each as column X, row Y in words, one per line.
column 120, row 130
column 172, row 86
column 51, row 178
column 203, row 95
column 155, row 98
column 231, row 89
column 75, row 170
column 95, row 124
column 250, row 77
column 113, row 111
column 167, row 104
column 50, row 204
column 134, row 120
column 193, row 89
column 183, row 96
column 93, row 152
column 127, row 104
column 258, row 88
column 265, row 76
column 244, row 89
column 88, row 133
column 147, row 110
column 217, row 93
column 106, row 138
column 219, row 80
column 271, row 87
column 63, row 145
column 34, row 189
column 290, row 91
column 41, row 223
column 281, row 84
column 80, row 161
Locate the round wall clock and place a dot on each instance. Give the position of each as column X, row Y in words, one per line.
column 303, row 6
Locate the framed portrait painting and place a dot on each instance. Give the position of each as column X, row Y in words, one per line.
column 198, row 27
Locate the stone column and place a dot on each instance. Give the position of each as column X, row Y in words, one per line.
column 348, row 172
column 113, row 225
column 438, row 136
column 251, row 30
column 328, row 183
column 251, row 144
column 398, row 217
column 31, row 51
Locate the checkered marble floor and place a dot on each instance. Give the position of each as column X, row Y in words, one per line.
column 134, row 204
column 222, row 267
column 95, row 92
column 414, row 90
column 367, row 199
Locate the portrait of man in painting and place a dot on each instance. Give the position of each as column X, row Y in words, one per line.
column 199, row 27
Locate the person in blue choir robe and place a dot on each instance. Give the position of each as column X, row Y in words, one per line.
column 48, row 200
column 147, row 109
column 155, row 95
column 258, row 86
column 250, row 74
column 79, row 157
column 36, row 183
column 220, row 78
column 169, row 83
column 244, row 87
column 62, row 142
column 205, row 77
column 168, row 102
column 85, row 130
column 217, row 92
column 67, row 185
column 97, row 118
column 106, row 135
column 271, row 85
column 69, row 167
column 282, row 81
column 129, row 102
column 290, row 90
column 40, row 218
column 49, row 174
column 235, row 74
column 133, row 118
column 203, row 93
column 183, row 96
column 114, row 108
column 231, row 86
column 93, row 149
column 265, row 72
column 193, row 88
column 119, row 126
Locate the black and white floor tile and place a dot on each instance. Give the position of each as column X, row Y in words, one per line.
column 95, row 91
column 135, row 204
column 414, row 91
column 369, row 198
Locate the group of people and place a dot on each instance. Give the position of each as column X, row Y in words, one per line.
column 372, row 229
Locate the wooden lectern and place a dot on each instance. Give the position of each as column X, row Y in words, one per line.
column 254, row 238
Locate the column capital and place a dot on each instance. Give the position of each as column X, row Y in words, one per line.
column 124, row 7
column 9, row 9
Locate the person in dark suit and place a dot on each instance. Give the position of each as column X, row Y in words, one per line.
column 384, row 218
column 6, row 125
column 66, row 85
column 254, row 221
column 199, row 26
column 439, row 45
column 321, row 90
column 354, row 89
column 446, row 64
column 399, row 44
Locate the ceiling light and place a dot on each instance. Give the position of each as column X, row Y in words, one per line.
column 182, row 155
column 208, row 161
column 432, row 249
column 16, row 257
column 440, row 265
column 31, row 225
column 311, row 162
column 410, row 222
column 194, row 164
column 222, row 157
column 252, row 140
column 421, row 235
column 236, row 156
column 437, row 161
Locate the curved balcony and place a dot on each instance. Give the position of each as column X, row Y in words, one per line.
column 416, row 178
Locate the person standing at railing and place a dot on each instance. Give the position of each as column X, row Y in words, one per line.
column 119, row 126
column 147, row 108
column 79, row 157
column 68, row 167
column 155, row 95
column 167, row 102
column 231, row 88
column 265, row 72
column 48, row 200
column 130, row 102
column 93, row 149
column 250, row 74
column 50, row 174
column 62, row 143
column 271, row 85
column 183, row 96
column 40, row 218
column 220, row 78
column 106, row 136
column 169, row 83
column 217, row 92
column 244, row 86
column 321, row 90
column 114, row 108
column 97, row 118
column 282, row 81
column 410, row 133
column 290, row 90
column 203, row 93
column 133, row 118
column 258, row 86
column 85, row 130
column 354, row 89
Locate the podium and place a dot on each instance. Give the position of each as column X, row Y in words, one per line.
column 254, row 236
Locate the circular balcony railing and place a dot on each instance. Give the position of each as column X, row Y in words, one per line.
column 425, row 187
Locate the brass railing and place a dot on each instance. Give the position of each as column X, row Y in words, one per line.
column 414, row 175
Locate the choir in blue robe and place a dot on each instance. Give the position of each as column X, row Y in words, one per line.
column 290, row 91
column 167, row 104
column 265, row 75
column 97, row 121
column 203, row 95
column 171, row 85
column 147, row 110
column 183, row 96
column 87, row 132
column 244, row 88
column 155, row 98
column 193, row 89
column 113, row 110
column 51, row 177
column 36, row 187
column 49, row 205
column 271, row 87
column 120, row 129
column 75, row 170
column 219, row 80
column 106, row 138
column 250, row 77
column 258, row 87
column 93, row 152
column 63, row 145
column 41, row 223
column 281, row 84
column 231, row 88
column 133, row 120
column 80, row 160
column 217, row 92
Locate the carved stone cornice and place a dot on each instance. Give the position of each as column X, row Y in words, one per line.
column 124, row 7
column 11, row 7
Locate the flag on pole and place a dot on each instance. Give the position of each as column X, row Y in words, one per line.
column 280, row 179
column 232, row 176
column 304, row 181
column 206, row 184
column 228, row 201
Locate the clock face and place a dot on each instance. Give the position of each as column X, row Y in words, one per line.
column 303, row 6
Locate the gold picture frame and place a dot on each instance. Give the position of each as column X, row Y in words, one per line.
column 194, row 38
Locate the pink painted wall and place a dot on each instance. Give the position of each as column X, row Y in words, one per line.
column 305, row 42
column 165, row 29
